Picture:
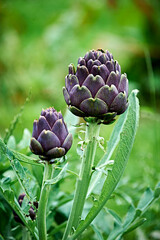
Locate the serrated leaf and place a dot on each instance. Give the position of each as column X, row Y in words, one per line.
column 4, row 150
column 25, row 205
column 121, row 157
column 58, row 177
column 10, row 175
column 22, row 177
column 8, row 195
column 23, row 158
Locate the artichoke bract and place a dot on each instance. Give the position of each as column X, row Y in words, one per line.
column 96, row 88
column 50, row 137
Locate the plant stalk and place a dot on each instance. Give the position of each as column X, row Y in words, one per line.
column 45, row 189
column 92, row 132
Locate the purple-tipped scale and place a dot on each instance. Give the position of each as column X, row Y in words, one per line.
column 97, row 88
column 50, row 137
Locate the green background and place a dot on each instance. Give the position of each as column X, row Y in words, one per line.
column 39, row 39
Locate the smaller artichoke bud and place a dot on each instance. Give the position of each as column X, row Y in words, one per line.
column 20, row 198
column 31, row 211
column 50, row 137
column 96, row 89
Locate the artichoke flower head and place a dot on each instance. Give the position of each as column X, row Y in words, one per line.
column 50, row 137
column 96, row 89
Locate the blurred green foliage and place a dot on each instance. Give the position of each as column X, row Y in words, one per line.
column 39, row 39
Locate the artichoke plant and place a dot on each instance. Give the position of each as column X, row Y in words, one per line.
column 50, row 137
column 96, row 88
column 32, row 213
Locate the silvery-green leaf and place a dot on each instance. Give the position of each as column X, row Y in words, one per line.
column 97, row 232
column 121, row 157
column 11, row 142
column 25, row 141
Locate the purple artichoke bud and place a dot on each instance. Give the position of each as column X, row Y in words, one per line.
column 31, row 214
column 50, row 138
column 97, row 88
column 35, row 204
column 20, row 198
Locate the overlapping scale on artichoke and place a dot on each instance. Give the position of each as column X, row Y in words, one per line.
column 96, row 88
column 50, row 137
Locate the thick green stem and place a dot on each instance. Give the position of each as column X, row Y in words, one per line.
column 41, row 218
column 92, row 132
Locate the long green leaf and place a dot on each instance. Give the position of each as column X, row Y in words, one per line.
column 135, row 225
column 8, row 195
column 15, row 121
column 146, row 199
column 71, row 120
column 114, row 139
column 157, row 191
column 111, row 145
column 133, row 218
column 23, row 158
column 122, row 154
column 116, row 217
column 120, row 228
column 1, row 238
column 4, row 149
column 97, row 232
column 117, row 232
column 18, row 168
column 130, row 216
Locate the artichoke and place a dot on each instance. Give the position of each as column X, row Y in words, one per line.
column 97, row 88
column 50, row 137
column 31, row 211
